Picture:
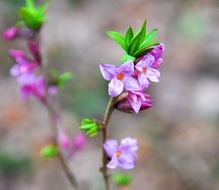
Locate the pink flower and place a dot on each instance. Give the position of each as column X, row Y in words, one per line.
column 120, row 77
column 157, row 53
column 72, row 145
column 11, row 33
column 123, row 155
column 147, row 72
column 135, row 101
column 23, row 64
column 32, row 85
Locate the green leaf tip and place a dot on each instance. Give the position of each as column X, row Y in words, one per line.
column 90, row 127
column 121, row 179
column 119, row 38
column 135, row 44
column 33, row 16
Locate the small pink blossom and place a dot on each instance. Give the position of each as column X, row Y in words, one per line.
column 32, row 85
column 120, row 77
column 11, row 33
column 124, row 155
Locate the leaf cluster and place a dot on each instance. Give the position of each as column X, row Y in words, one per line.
column 90, row 127
column 32, row 16
column 135, row 43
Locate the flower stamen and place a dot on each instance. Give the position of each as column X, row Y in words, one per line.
column 144, row 70
column 118, row 154
column 120, row 76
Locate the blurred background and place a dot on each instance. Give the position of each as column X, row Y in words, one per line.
column 178, row 136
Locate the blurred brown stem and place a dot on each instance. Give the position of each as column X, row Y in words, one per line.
column 52, row 117
column 63, row 162
column 107, row 115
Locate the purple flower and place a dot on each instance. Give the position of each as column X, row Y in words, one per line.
column 135, row 101
column 120, row 77
column 71, row 145
column 147, row 72
column 16, row 54
column 79, row 141
column 123, row 155
column 23, row 64
column 32, row 85
column 157, row 53
column 11, row 33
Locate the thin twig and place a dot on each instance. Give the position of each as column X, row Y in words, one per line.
column 52, row 114
column 52, row 117
column 108, row 112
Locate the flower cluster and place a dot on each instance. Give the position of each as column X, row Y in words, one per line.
column 134, row 78
column 25, row 69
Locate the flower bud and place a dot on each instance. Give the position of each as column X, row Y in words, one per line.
column 127, row 103
column 11, row 33
column 79, row 141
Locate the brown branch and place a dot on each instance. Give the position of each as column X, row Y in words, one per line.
column 107, row 115
column 52, row 114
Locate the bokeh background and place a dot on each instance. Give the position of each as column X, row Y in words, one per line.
column 178, row 136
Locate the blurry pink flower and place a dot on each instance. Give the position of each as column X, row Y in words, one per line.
column 32, row 85
column 11, row 33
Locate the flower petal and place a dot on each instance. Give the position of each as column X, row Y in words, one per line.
column 157, row 63
column 153, row 75
column 131, row 84
column 113, row 163
column 129, row 144
column 115, row 87
column 135, row 104
column 126, row 68
column 126, row 161
column 108, row 71
column 143, row 80
column 146, row 62
column 110, row 146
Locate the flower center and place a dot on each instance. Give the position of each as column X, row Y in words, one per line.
column 118, row 154
column 144, row 70
column 120, row 76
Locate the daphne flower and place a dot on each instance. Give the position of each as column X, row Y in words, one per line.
column 120, row 77
column 146, row 70
column 135, row 101
column 23, row 64
column 157, row 53
column 123, row 155
column 11, row 33
column 71, row 145
column 32, row 85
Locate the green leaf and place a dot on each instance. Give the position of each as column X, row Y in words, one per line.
column 93, row 131
column 121, row 179
column 33, row 16
column 90, row 127
column 64, row 78
column 30, row 4
column 150, row 40
column 49, row 151
column 137, row 40
column 118, row 37
column 127, row 57
column 129, row 35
